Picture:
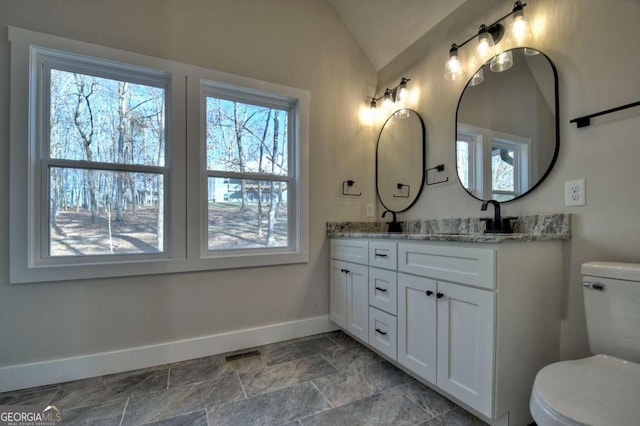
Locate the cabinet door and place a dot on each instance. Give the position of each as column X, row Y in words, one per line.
column 465, row 344
column 417, row 325
column 358, row 301
column 338, row 293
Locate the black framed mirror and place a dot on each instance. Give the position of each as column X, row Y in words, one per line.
column 400, row 160
column 507, row 126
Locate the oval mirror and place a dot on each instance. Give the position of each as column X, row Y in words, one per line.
column 507, row 126
column 400, row 160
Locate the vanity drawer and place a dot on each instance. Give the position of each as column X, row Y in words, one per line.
column 383, row 254
column 382, row 332
column 465, row 265
column 350, row 250
column 383, row 290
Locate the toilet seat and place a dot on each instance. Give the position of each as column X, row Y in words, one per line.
column 599, row 390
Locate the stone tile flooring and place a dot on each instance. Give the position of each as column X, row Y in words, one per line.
column 326, row 379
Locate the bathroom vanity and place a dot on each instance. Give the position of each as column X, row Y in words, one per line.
column 472, row 316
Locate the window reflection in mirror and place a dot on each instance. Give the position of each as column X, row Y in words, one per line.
column 507, row 129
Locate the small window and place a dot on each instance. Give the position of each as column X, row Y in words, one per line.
column 250, row 171
column 491, row 164
column 505, row 170
column 465, row 148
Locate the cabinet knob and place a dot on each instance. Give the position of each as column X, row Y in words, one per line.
column 382, row 289
column 381, row 332
column 381, row 255
column 429, row 292
column 439, row 295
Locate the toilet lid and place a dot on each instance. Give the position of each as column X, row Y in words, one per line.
column 599, row 390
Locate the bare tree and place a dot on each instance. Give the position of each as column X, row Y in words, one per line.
column 86, row 130
column 271, row 218
column 122, row 131
column 261, row 155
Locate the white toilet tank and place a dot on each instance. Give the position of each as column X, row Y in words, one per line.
column 612, row 306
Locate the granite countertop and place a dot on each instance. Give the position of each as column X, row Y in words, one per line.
column 541, row 227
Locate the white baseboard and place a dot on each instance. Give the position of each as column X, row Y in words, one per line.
column 81, row 367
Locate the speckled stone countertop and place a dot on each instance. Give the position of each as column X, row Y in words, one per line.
column 541, row 227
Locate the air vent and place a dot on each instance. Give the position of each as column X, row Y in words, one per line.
column 242, row 355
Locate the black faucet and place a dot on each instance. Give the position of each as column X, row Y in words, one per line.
column 393, row 226
column 498, row 225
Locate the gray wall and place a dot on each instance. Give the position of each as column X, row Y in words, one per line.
column 299, row 43
column 593, row 45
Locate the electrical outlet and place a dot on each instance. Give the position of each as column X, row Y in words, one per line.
column 575, row 193
column 370, row 211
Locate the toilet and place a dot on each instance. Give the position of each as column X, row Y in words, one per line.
column 603, row 389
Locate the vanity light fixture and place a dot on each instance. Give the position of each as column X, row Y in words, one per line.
column 488, row 36
column 453, row 70
column 486, row 43
column 396, row 96
column 519, row 25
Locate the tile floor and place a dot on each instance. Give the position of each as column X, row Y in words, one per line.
column 326, row 379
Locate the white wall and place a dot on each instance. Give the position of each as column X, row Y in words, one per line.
column 298, row 43
column 594, row 45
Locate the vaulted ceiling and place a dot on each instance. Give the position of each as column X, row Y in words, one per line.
column 385, row 28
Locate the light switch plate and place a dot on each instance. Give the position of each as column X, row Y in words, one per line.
column 575, row 193
column 370, row 211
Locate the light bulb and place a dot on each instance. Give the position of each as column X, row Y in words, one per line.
column 373, row 103
column 453, row 69
column 402, row 93
column 387, row 102
column 519, row 24
column 485, row 42
column 502, row 62
column 477, row 78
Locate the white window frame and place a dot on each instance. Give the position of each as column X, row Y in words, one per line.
column 43, row 61
column 482, row 151
column 520, row 147
column 269, row 100
column 474, row 160
column 185, row 189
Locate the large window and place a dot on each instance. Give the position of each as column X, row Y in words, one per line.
column 123, row 164
column 249, row 170
column 102, row 157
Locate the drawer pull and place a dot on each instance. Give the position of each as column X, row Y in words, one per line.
column 439, row 295
column 381, row 332
column 381, row 255
column 381, row 289
column 429, row 292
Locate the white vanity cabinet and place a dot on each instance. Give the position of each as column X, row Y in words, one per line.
column 475, row 321
column 446, row 329
column 349, row 286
